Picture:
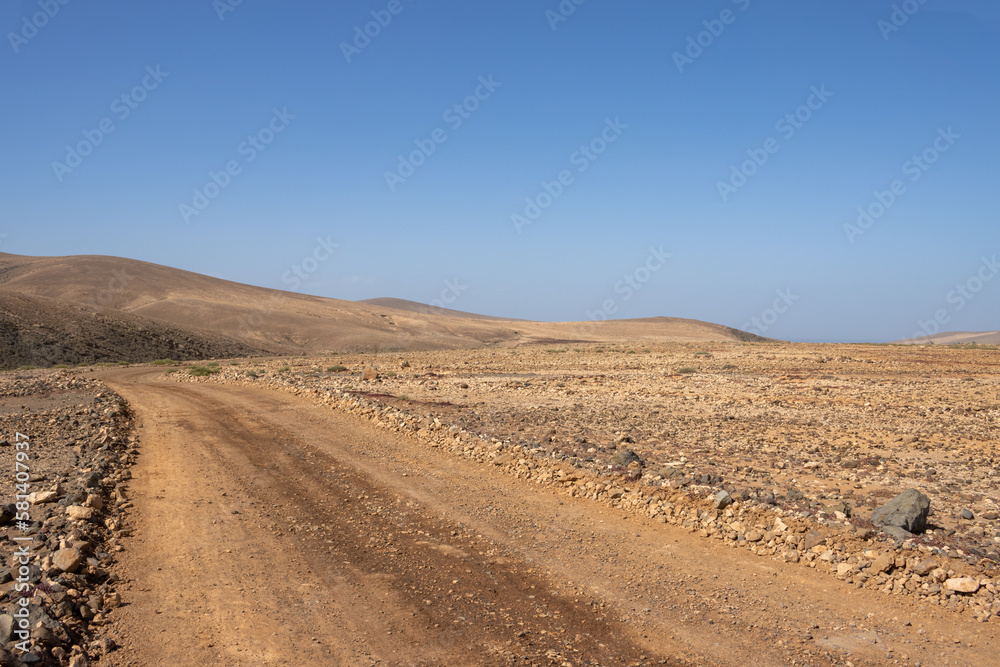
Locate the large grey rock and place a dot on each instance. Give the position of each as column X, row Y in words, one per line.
column 908, row 511
column 897, row 533
column 723, row 500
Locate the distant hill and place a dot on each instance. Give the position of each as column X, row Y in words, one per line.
column 955, row 338
column 164, row 309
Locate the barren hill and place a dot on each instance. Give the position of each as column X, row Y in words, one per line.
column 38, row 331
column 257, row 319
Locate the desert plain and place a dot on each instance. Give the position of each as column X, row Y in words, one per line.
column 559, row 503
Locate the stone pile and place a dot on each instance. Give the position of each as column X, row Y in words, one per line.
column 80, row 452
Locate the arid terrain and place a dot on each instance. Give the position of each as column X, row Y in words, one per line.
column 298, row 480
column 537, row 505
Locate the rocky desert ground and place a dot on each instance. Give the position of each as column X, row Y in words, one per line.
column 551, row 504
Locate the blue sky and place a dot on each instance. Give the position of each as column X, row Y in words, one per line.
column 704, row 160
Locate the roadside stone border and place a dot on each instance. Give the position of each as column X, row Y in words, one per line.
column 78, row 516
column 855, row 555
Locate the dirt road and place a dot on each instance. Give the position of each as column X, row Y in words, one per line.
column 271, row 531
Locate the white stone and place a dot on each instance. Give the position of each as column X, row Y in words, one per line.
column 962, row 585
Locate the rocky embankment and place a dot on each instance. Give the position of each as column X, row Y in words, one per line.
column 770, row 488
column 71, row 441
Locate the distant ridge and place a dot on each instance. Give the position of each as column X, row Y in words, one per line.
column 955, row 338
column 416, row 307
column 115, row 299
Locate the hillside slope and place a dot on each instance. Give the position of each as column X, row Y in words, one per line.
column 37, row 331
column 266, row 320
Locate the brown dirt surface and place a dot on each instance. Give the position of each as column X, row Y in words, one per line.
column 270, row 529
column 544, row 505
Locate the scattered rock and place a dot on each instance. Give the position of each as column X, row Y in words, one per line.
column 883, row 563
column 42, row 497
column 625, row 457
column 813, row 538
column 841, row 507
column 968, row 515
column 723, row 500
column 369, row 373
column 79, row 513
column 962, row 584
column 67, row 560
column 6, row 627
column 668, row 472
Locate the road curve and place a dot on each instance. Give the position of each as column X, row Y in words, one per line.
column 269, row 530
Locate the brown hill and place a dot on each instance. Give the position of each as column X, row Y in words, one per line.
column 277, row 322
column 37, row 331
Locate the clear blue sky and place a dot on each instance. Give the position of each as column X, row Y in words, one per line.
column 665, row 120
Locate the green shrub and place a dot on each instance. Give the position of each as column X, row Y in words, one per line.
column 284, row 369
column 202, row 371
column 61, row 366
column 336, row 369
column 687, row 369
